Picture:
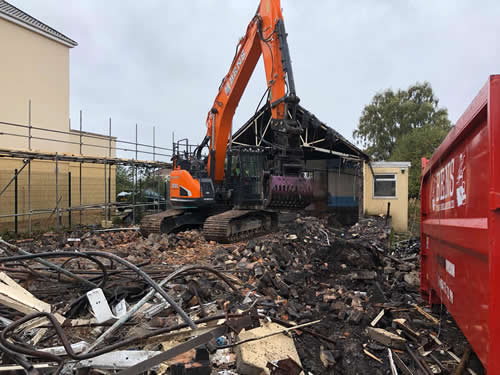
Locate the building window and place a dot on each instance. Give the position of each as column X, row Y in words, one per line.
column 384, row 186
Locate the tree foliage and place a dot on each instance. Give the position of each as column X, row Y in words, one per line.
column 146, row 179
column 124, row 179
column 416, row 144
column 392, row 115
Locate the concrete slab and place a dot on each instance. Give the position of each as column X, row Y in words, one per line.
column 252, row 357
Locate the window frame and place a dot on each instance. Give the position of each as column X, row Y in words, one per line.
column 395, row 179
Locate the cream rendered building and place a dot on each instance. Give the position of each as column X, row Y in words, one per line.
column 387, row 182
column 34, row 68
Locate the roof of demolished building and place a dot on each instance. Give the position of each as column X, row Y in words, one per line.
column 318, row 139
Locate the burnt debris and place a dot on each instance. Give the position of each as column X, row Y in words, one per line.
column 319, row 297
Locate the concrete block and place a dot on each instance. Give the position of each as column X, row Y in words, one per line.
column 252, row 357
column 106, row 224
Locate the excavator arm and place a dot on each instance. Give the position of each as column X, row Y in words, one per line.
column 244, row 203
column 265, row 36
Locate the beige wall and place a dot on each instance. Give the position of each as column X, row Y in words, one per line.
column 43, row 192
column 399, row 204
column 94, row 144
column 37, row 68
column 33, row 67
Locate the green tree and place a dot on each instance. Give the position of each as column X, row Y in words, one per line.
column 416, row 144
column 152, row 181
column 392, row 115
column 146, row 179
column 124, row 179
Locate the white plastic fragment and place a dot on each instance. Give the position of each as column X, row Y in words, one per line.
column 117, row 360
column 100, row 306
column 79, row 347
column 120, row 309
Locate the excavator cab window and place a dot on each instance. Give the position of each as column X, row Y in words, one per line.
column 252, row 164
column 248, row 167
column 235, row 164
column 232, row 165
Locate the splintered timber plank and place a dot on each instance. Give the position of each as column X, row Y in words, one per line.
column 372, row 356
column 16, row 297
column 426, row 314
column 386, row 338
column 377, row 318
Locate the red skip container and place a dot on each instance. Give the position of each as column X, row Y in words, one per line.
column 460, row 231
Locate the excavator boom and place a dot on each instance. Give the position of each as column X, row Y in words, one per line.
column 265, row 36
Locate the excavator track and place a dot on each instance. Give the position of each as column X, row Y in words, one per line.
column 174, row 220
column 157, row 223
column 237, row 225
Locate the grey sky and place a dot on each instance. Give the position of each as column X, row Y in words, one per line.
column 161, row 62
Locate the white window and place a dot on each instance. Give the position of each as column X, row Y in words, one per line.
column 384, row 186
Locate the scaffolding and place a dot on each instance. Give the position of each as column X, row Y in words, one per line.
column 28, row 156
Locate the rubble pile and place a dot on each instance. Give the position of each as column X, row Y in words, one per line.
column 184, row 247
column 308, row 271
column 347, row 300
column 153, row 247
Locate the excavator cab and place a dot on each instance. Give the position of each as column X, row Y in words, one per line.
column 244, row 171
column 190, row 186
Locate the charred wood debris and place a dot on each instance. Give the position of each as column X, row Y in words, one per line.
column 314, row 297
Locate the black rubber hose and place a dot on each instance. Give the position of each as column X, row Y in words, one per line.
column 16, row 349
column 197, row 269
column 67, row 345
column 90, row 254
column 49, row 265
column 104, row 275
column 20, row 360
column 99, row 264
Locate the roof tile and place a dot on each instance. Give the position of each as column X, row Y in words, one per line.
column 13, row 12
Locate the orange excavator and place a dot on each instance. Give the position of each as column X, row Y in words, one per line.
column 238, row 191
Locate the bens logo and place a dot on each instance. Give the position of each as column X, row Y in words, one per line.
column 448, row 185
column 234, row 73
column 461, row 194
column 443, row 187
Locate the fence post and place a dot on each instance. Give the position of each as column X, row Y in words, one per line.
column 69, row 199
column 166, row 196
column 58, row 218
column 80, row 175
column 133, row 195
column 29, row 197
column 15, row 202
column 109, row 193
column 105, row 193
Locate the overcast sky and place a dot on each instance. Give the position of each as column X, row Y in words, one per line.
column 160, row 63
